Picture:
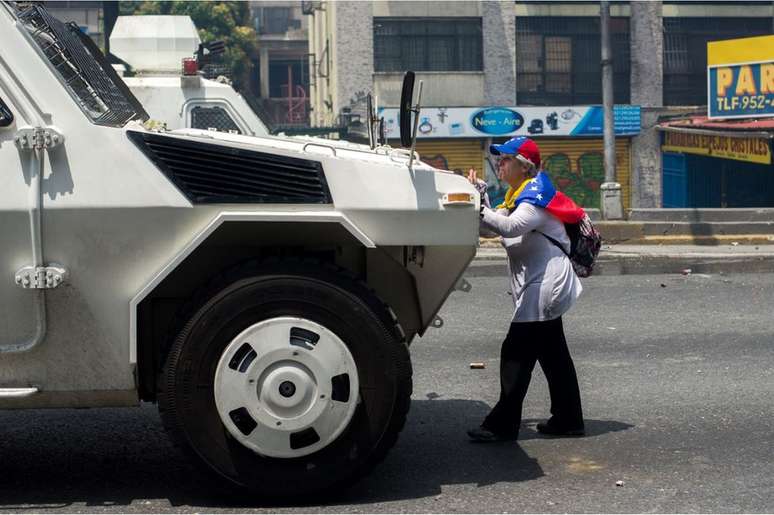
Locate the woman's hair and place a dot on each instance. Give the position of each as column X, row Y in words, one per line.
column 531, row 169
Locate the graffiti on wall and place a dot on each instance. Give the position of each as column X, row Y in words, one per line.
column 580, row 182
column 580, row 179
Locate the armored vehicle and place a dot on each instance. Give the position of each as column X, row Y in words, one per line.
column 165, row 54
column 263, row 291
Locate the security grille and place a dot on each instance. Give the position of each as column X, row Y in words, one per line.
column 442, row 44
column 82, row 68
column 685, row 53
column 213, row 118
column 559, row 60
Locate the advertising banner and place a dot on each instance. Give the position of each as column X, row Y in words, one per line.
column 753, row 150
column 740, row 78
column 497, row 122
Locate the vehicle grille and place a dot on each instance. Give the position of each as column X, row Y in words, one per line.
column 208, row 173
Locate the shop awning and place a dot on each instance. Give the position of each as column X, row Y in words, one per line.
column 742, row 128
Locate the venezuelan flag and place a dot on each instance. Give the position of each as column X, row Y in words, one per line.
column 540, row 192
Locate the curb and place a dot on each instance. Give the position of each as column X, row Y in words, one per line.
column 490, row 261
column 630, row 238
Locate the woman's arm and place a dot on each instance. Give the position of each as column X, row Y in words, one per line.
column 524, row 219
column 481, row 187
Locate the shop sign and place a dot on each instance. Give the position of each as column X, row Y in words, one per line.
column 740, row 78
column 753, row 150
column 497, row 121
column 482, row 122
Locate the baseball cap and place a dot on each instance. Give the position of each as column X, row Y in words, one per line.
column 521, row 147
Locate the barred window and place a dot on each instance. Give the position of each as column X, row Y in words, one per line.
column 685, row 53
column 213, row 118
column 435, row 44
column 559, row 60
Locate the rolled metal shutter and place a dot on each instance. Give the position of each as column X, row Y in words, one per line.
column 457, row 155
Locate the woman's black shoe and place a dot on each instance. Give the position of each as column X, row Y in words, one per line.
column 482, row 434
column 547, row 428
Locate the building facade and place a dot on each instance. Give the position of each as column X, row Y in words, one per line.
column 282, row 81
column 88, row 15
column 527, row 53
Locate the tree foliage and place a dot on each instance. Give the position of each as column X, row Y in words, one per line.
column 227, row 21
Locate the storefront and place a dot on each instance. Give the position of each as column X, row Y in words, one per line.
column 721, row 164
column 569, row 138
column 724, row 159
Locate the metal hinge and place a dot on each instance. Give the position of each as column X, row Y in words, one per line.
column 40, row 277
column 38, row 138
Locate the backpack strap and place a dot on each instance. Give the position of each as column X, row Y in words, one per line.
column 552, row 240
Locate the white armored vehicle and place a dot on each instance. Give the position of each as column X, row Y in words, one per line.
column 262, row 291
column 166, row 81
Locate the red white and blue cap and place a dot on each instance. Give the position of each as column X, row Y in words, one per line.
column 521, row 147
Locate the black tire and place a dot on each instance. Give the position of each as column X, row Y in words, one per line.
column 323, row 294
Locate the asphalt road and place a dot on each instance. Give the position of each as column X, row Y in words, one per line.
column 678, row 390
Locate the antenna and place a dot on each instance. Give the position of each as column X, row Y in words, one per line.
column 382, row 133
column 370, row 121
column 416, row 110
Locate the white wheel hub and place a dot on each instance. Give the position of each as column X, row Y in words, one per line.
column 286, row 387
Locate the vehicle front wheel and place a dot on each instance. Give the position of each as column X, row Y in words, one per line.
column 290, row 379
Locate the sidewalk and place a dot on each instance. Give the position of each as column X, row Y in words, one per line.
column 663, row 259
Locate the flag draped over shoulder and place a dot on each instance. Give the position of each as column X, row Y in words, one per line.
column 541, row 192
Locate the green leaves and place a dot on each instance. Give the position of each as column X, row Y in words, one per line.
column 228, row 21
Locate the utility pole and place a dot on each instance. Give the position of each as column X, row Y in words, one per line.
column 612, row 208
column 647, row 80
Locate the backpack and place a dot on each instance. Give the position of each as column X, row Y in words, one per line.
column 585, row 242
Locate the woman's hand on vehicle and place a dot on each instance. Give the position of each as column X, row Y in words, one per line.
column 475, row 181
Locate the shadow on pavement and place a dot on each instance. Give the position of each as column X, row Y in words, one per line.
column 112, row 458
column 593, row 428
column 434, row 451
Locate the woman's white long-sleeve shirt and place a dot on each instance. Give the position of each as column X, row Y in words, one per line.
column 543, row 282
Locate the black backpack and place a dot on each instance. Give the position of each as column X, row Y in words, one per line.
column 585, row 242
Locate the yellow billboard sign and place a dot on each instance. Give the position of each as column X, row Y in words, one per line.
column 753, row 150
column 740, row 51
column 740, row 78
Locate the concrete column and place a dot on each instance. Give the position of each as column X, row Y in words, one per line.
column 647, row 78
column 499, row 46
column 264, row 64
column 352, row 52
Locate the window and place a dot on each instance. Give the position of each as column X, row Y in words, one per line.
column 82, row 69
column 288, row 78
column 276, row 20
column 437, row 44
column 214, row 117
column 559, row 60
column 685, row 53
column 6, row 117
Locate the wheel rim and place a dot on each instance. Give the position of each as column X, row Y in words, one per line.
column 286, row 387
